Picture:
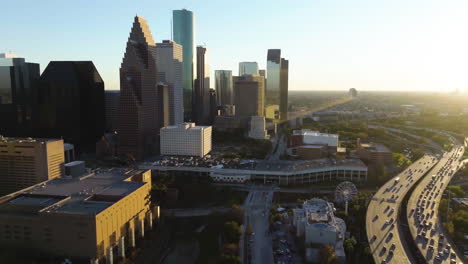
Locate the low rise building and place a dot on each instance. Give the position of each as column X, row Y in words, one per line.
column 186, row 139
column 316, row 222
column 257, row 129
column 304, row 137
column 27, row 161
column 374, row 153
column 81, row 216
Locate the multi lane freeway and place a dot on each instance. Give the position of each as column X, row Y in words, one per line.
column 383, row 229
column 423, row 210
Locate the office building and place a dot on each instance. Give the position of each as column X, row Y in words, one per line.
column 248, row 68
column 201, row 95
column 26, row 161
column 223, row 86
column 163, row 105
column 112, row 99
column 68, row 152
column 138, row 107
column 249, row 94
column 374, row 153
column 169, row 63
column 257, row 129
column 316, row 222
column 17, row 95
column 213, row 106
column 262, row 73
column 277, row 86
column 186, row 140
column 83, row 216
column 71, row 103
column 284, row 86
column 183, row 23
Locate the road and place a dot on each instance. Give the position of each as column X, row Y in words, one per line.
column 257, row 208
column 423, row 210
column 382, row 225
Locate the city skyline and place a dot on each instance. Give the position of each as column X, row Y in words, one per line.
column 395, row 47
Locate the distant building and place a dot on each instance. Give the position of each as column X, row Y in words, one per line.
column 316, row 222
column 308, row 137
column 226, row 123
column 213, row 106
column 201, row 94
column 374, row 153
column 227, row 110
column 186, row 140
column 276, row 103
column 248, row 68
column 249, row 94
column 18, row 87
column 184, row 34
column 311, row 152
column 112, row 98
column 169, row 60
column 257, row 129
column 27, row 161
column 223, row 86
column 353, row 93
column 163, row 105
column 71, row 103
column 262, row 73
column 138, row 117
column 83, row 216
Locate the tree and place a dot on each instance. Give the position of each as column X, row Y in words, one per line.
column 236, row 214
column 349, row 245
column 231, row 249
column 229, row 259
column 232, row 232
column 456, row 191
column 249, row 229
column 327, row 255
column 450, row 227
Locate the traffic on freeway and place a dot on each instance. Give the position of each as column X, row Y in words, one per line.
column 423, row 211
column 383, row 231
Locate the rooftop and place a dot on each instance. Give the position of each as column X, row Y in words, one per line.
column 285, row 165
column 87, row 195
column 375, row 147
column 25, row 140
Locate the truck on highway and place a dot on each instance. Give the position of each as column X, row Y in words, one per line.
column 397, row 180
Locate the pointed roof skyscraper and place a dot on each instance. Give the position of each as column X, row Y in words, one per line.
column 138, row 118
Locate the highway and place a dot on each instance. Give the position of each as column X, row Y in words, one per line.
column 382, row 226
column 423, row 210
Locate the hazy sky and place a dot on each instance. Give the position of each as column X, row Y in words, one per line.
column 330, row 44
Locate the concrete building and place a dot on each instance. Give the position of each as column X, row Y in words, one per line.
column 284, row 87
column 138, row 107
column 249, row 94
column 374, row 153
column 112, row 99
column 186, row 140
column 26, row 161
column 262, row 73
column 71, row 103
column 69, row 152
column 257, row 128
column 184, row 34
column 310, row 152
column 201, row 92
column 316, row 222
column 169, row 60
column 309, row 137
column 18, row 87
column 223, row 86
column 248, row 68
column 226, row 123
column 83, row 216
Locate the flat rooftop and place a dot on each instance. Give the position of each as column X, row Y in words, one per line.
column 26, row 140
column 89, row 194
column 375, row 147
column 286, row 165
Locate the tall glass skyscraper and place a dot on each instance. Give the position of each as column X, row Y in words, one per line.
column 248, row 68
column 184, row 34
column 273, row 84
column 223, row 85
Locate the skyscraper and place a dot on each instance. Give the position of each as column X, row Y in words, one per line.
column 284, row 89
column 112, row 98
column 201, row 95
column 223, row 86
column 17, row 94
column 249, row 94
column 138, row 126
column 169, row 64
column 276, row 106
column 184, row 34
column 248, row 67
column 262, row 73
column 273, row 85
column 71, row 103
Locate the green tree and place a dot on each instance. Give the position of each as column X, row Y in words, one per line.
column 327, row 255
column 349, row 245
column 232, row 232
column 456, row 191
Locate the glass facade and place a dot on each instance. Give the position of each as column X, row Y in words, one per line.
column 223, row 85
column 273, row 83
column 248, row 68
column 184, row 34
